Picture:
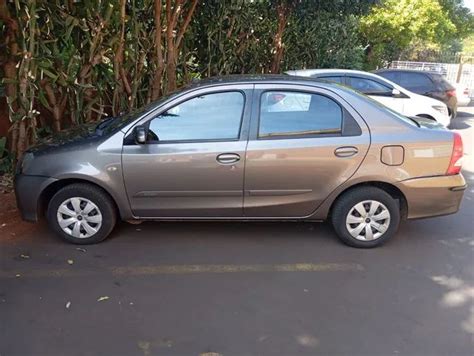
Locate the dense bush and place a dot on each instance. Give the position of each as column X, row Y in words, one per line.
column 66, row 62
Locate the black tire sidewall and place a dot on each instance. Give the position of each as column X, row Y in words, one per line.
column 95, row 195
column 350, row 199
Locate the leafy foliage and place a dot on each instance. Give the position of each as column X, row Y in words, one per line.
column 394, row 25
column 65, row 63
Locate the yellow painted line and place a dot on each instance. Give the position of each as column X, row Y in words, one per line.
column 187, row 269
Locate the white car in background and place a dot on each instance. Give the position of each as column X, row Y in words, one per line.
column 462, row 93
column 384, row 91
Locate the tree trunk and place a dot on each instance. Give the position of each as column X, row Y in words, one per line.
column 282, row 11
column 159, row 63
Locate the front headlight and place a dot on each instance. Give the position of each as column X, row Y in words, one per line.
column 441, row 108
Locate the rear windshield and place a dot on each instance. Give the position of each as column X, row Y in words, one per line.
column 380, row 106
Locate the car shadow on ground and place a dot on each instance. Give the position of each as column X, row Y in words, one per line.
column 461, row 120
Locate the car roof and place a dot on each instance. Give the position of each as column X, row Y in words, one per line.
column 360, row 73
column 258, row 79
column 306, row 72
column 429, row 72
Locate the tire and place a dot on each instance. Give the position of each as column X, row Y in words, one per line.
column 90, row 211
column 378, row 226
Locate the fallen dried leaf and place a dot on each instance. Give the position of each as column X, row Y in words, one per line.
column 18, row 275
column 103, row 298
column 81, row 249
column 24, row 256
column 68, row 304
column 70, row 262
column 3, row 225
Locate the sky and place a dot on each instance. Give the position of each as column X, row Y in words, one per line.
column 469, row 4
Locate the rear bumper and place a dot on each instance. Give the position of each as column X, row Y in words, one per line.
column 28, row 190
column 433, row 196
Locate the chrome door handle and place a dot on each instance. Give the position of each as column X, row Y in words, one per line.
column 228, row 158
column 347, row 151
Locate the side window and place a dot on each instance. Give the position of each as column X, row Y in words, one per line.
column 214, row 116
column 392, row 76
column 335, row 79
column 284, row 113
column 368, row 86
column 415, row 81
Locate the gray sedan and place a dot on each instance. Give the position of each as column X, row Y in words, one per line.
column 246, row 148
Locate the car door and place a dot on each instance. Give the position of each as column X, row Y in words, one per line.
column 304, row 142
column 378, row 91
column 192, row 164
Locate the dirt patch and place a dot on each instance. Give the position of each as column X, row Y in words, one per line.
column 11, row 224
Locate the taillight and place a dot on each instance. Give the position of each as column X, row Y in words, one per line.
column 455, row 164
column 451, row 93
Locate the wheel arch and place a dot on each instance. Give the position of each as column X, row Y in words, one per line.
column 53, row 188
column 389, row 188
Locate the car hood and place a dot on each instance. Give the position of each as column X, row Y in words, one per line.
column 426, row 100
column 72, row 136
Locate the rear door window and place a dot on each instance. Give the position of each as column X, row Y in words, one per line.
column 392, row 76
column 417, row 82
column 288, row 113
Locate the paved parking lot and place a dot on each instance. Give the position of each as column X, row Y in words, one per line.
column 242, row 288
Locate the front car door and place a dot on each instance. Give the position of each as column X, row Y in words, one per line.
column 304, row 143
column 192, row 165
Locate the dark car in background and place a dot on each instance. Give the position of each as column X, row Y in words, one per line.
column 431, row 84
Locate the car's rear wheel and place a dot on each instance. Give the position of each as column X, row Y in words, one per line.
column 81, row 214
column 365, row 217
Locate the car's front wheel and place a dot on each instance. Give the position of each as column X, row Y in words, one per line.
column 366, row 217
column 81, row 214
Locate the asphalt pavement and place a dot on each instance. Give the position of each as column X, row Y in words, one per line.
column 226, row 288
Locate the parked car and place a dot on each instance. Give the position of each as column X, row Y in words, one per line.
column 426, row 83
column 246, row 148
column 463, row 95
column 384, row 91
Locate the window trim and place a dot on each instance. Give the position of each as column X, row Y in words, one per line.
column 242, row 116
column 296, row 135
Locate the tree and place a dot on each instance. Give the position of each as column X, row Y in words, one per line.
column 394, row 24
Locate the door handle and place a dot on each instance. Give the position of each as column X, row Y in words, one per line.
column 228, row 158
column 347, row 151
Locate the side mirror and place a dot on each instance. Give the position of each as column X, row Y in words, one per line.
column 140, row 134
column 396, row 93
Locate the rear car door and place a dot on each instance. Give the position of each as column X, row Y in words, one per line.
column 304, row 142
column 193, row 162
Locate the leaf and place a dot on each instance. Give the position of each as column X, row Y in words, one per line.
column 68, row 304
column 103, row 298
column 81, row 249
column 70, row 262
column 49, row 74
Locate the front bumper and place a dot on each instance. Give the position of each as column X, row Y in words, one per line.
column 28, row 191
column 433, row 196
